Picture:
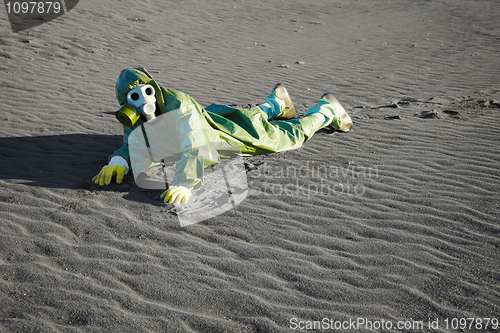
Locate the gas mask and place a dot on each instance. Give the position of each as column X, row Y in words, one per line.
column 140, row 101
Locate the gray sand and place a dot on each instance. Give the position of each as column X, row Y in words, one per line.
column 404, row 230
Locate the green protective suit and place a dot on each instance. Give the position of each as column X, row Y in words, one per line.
column 247, row 129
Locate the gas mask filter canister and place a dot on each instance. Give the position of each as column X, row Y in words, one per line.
column 140, row 100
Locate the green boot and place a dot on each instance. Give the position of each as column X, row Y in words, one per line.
column 330, row 108
column 279, row 104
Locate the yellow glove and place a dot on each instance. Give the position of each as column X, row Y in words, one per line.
column 177, row 194
column 107, row 172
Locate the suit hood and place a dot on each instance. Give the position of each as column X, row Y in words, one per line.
column 130, row 78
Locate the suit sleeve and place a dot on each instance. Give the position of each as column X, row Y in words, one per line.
column 198, row 141
column 123, row 151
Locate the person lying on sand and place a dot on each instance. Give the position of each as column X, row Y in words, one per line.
column 267, row 128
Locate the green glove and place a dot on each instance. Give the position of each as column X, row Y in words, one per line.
column 177, row 194
column 107, row 172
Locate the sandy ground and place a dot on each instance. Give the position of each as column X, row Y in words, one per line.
column 396, row 221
